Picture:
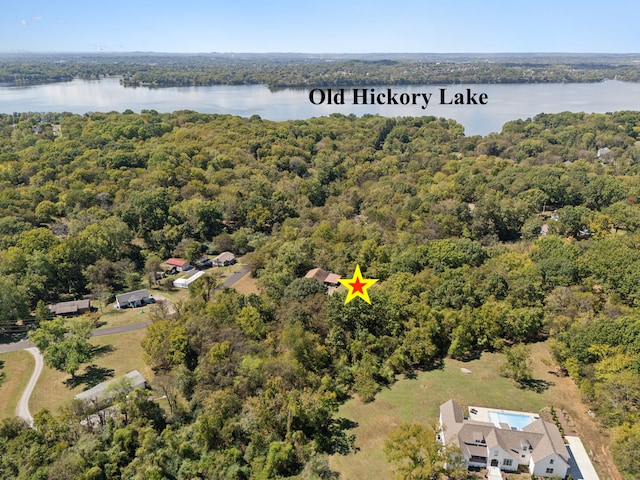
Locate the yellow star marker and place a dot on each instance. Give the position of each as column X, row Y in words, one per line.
column 358, row 286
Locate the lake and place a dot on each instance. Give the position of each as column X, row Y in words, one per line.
column 504, row 102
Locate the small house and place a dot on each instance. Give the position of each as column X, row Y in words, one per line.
column 327, row 278
column 317, row 274
column 70, row 309
column 180, row 264
column 224, row 259
column 139, row 298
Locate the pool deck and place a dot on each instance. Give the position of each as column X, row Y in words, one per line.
column 481, row 414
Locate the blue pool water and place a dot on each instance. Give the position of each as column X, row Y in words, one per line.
column 514, row 420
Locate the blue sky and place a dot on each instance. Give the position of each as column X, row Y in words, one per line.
column 327, row 26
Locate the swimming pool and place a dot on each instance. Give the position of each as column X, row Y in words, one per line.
column 514, row 420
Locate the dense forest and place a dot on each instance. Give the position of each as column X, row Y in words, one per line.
column 302, row 71
column 479, row 244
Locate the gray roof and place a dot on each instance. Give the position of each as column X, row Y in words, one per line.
column 452, row 418
column 550, row 443
column 544, row 437
column 224, row 257
column 136, row 378
column 129, row 297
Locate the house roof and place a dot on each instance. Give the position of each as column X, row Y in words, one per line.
column 476, row 450
column 188, row 280
column 69, row 307
column 224, row 257
column 452, row 417
column 543, row 437
column 132, row 296
column 317, row 274
column 550, row 443
column 136, row 378
column 178, row 262
column 332, row 278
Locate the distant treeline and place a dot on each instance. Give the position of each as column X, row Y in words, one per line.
column 279, row 70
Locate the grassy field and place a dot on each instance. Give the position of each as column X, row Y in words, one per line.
column 17, row 368
column 247, row 285
column 418, row 400
column 124, row 354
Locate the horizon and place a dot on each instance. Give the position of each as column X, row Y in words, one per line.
column 319, row 54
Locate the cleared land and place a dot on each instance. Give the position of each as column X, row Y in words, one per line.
column 17, row 370
column 122, row 353
column 418, row 400
column 247, row 284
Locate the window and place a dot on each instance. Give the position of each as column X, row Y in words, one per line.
column 551, row 462
column 507, row 462
column 549, row 470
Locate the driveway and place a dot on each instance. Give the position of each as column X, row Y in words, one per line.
column 235, row 277
column 580, row 466
column 22, row 409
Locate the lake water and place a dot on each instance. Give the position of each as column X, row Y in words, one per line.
column 504, row 102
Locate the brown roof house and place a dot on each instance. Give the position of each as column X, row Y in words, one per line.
column 505, row 440
column 70, row 309
column 322, row 276
column 329, row 279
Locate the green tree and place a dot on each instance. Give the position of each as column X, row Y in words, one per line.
column 151, row 268
column 415, row 454
column 13, row 301
column 626, row 449
column 517, row 363
column 64, row 345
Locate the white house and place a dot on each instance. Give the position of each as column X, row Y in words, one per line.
column 138, row 298
column 224, row 259
column 537, row 445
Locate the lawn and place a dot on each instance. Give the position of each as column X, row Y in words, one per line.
column 124, row 316
column 247, row 285
column 17, row 368
column 418, row 400
column 124, row 354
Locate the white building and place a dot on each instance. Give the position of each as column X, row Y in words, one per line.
column 184, row 282
column 537, row 445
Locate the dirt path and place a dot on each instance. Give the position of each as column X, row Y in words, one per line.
column 572, row 412
column 22, row 409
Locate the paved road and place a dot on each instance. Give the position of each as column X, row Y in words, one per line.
column 233, row 278
column 98, row 332
column 12, row 347
column 22, row 409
